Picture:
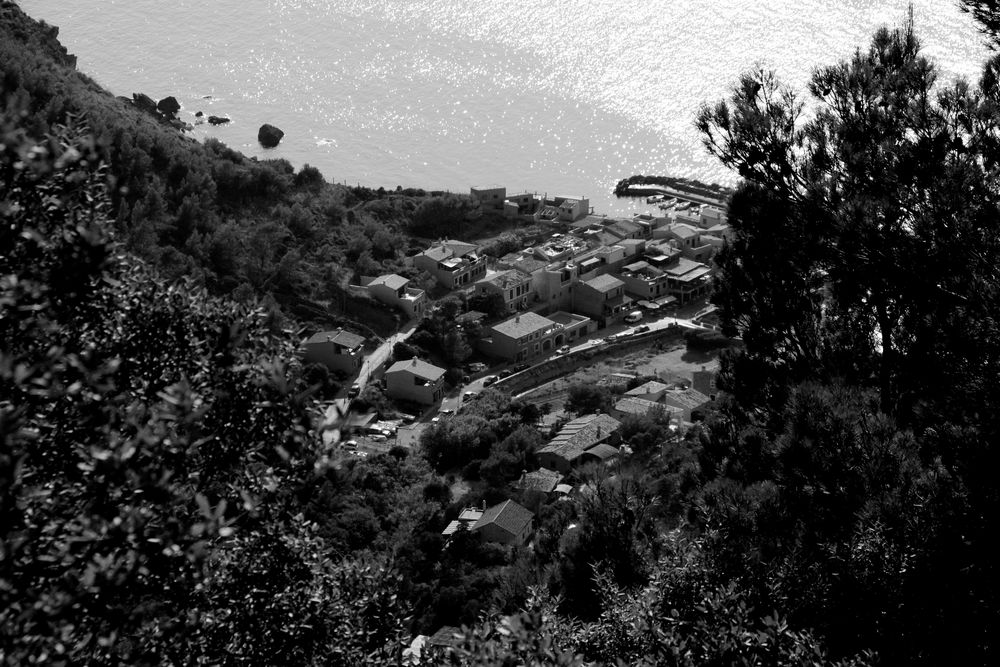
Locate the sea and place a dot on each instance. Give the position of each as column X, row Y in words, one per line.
column 558, row 97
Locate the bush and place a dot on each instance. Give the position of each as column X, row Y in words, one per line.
column 704, row 341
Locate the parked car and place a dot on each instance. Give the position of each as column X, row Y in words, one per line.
column 521, row 367
column 354, row 390
column 477, row 367
column 634, row 316
column 489, row 379
column 446, row 412
column 351, row 445
column 469, row 395
column 505, row 373
column 563, row 350
column 642, row 329
column 378, row 438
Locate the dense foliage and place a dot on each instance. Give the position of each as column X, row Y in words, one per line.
column 167, row 498
column 850, row 463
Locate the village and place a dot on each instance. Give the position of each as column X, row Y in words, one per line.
column 600, row 283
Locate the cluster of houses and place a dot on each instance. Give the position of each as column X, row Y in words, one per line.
column 591, row 275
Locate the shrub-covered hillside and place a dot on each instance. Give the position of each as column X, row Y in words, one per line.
column 239, row 226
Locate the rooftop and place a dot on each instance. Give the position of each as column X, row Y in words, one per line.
column 687, row 270
column 568, row 319
column 682, row 230
column 421, row 369
column 508, row 515
column 604, row 283
column 508, row 278
column 633, row 405
column 651, row 387
column 339, row 337
column 603, row 451
column 581, row 434
column 523, row 324
column 390, row 280
column 543, row 480
column 688, row 399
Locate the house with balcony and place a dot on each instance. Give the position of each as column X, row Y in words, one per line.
column 513, row 286
column 523, row 337
column 338, row 350
column 688, row 280
column 602, row 299
column 489, row 196
column 415, row 380
column 644, row 281
column 452, row 263
column 395, row 291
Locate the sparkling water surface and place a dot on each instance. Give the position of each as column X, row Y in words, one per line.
column 538, row 95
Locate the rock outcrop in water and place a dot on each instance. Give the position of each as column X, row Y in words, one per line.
column 169, row 106
column 218, row 120
column 269, row 136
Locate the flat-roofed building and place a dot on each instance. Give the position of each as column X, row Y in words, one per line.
column 644, row 281
column 415, row 380
column 452, row 263
column 338, row 350
column 574, row 326
column 489, row 196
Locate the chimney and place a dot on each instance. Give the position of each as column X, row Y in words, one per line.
column 414, row 361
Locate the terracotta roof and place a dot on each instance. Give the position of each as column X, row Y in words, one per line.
column 579, row 435
column 603, row 451
column 682, row 230
column 543, row 480
column 508, row 278
column 417, row 367
column 340, row 337
column 508, row 516
column 633, row 405
column 688, row 399
column 651, row 387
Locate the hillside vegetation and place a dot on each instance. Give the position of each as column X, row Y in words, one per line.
column 167, row 498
